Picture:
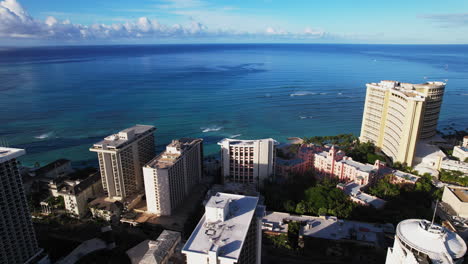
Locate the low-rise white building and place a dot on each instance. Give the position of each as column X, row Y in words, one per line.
column 419, row 241
column 457, row 199
column 461, row 151
column 157, row 251
column 229, row 232
column 170, row 176
column 76, row 193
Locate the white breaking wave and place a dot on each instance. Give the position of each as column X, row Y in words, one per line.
column 340, row 93
column 305, row 117
column 302, row 94
column 464, row 94
column 211, row 129
column 44, row 136
column 235, row 136
column 323, row 93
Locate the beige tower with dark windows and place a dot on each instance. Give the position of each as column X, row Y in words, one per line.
column 171, row 175
column 396, row 115
column 121, row 158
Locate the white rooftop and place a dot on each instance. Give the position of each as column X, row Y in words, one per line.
column 233, row 141
column 154, row 252
column 124, row 136
column 359, row 166
column 433, row 240
column 328, row 227
column 224, row 237
column 7, row 154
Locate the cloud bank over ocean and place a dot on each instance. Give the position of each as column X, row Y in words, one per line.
column 16, row 23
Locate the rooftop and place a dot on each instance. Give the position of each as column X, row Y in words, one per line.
column 358, row 165
column 52, row 166
column 76, row 187
column 226, row 237
column 241, row 142
column 354, row 190
column 124, row 136
column 433, row 240
column 173, row 152
column 461, row 193
column 406, row 176
column 328, row 227
column 10, row 153
column 150, row 251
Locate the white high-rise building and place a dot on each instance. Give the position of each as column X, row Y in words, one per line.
column 170, row 176
column 248, row 161
column 419, row 241
column 18, row 242
column 121, row 157
column 228, row 233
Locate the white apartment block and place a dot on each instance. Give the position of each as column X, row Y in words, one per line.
column 170, row 176
column 18, row 242
column 121, row 157
column 396, row 115
column 419, row 241
column 461, row 152
column 248, row 161
column 228, row 233
column 76, row 193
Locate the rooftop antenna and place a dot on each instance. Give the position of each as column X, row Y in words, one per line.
column 435, row 210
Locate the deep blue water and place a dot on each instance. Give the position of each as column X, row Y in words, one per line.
column 57, row 101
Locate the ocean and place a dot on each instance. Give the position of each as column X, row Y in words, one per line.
column 55, row 102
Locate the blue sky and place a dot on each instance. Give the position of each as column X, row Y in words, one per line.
column 23, row 22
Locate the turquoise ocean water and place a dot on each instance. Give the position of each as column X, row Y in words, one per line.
column 57, row 101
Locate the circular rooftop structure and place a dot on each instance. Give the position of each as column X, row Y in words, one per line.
column 432, row 240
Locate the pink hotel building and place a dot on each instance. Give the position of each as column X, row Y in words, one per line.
column 334, row 163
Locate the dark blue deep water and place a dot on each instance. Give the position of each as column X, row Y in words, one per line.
column 57, row 101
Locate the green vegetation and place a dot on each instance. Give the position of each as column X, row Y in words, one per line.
column 466, row 160
column 402, row 167
column 285, row 195
column 300, row 195
column 280, row 241
column 455, row 177
column 293, row 234
column 325, row 199
column 56, row 202
column 362, row 152
column 412, row 201
column 384, row 188
column 288, row 152
column 344, row 140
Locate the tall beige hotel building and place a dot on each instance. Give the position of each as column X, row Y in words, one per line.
column 397, row 115
column 121, row 158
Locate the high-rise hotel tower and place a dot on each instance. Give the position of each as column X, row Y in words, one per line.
column 18, row 242
column 170, row 176
column 396, row 115
column 121, row 158
column 248, row 161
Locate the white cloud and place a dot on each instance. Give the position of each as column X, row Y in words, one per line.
column 15, row 22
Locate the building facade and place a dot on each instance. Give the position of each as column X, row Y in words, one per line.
column 76, row 194
column 248, row 161
column 334, row 164
column 18, row 242
column 457, row 199
column 121, row 157
column 419, row 241
column 396, row 115
column 461, row 152
column 170, row 176
column 228, row 233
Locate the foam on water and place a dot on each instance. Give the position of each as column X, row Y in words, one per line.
column 211, row 129
column 44, row 136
